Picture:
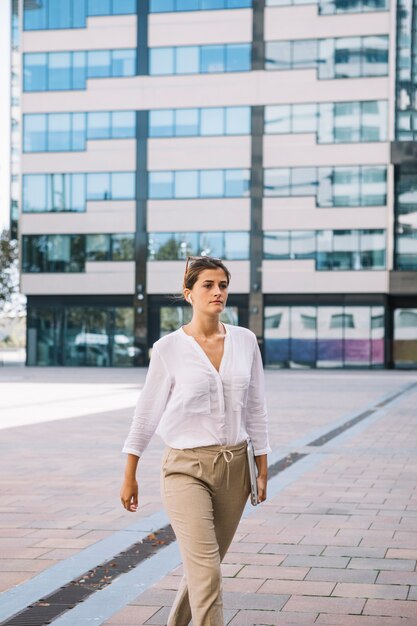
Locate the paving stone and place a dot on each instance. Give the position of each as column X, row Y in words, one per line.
column 294, row 587
column 352, row 590
column 397, row 578
column 342, row 575
column 339, row 606
column 391, row 608
column 358, row 620
column 352, row 551
column 132, row 616
column 239, row 600
column 316, row 561
column 270, row 618
column 265, row 571
column 382, row 564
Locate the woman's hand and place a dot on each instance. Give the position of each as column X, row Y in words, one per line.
column 129, row 494
column 262, row 465
column 261, row 482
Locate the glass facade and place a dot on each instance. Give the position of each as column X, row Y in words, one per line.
column 324, row 336
column 332, row 122
column 81, row 336
column 233, row 57
column 56, row 132
column 350, row 186
column 164, row 6
column 405, row 338
column 345, row 250
column 70, row 192
column 69, row 253
column 60, row 71
column 166, row 185
column 177, row 246
column 54, row 14
column 344, row 57
column 199, row 122
column 172, row 317
column 406, row 71
column 330, row 7
column 406, row 217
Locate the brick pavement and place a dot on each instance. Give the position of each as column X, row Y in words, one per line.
column 336, row 547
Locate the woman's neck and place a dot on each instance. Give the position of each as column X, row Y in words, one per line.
column 202, row 326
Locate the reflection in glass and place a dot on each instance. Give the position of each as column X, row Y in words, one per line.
column 187, row 60
column 186, row 184
column 303, row 342
column 377, row 336
column 276, row 245
column 330, row 324
column 186, row 123
column 277, row 336
column 236, row 246
column 212, row 121
column 405, row 338
column 98, row 248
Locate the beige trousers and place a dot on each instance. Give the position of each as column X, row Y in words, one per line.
column 204, row 491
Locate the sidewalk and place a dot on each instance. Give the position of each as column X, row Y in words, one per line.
column 334, row 544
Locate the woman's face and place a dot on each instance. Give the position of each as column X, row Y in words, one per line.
column 209, row 293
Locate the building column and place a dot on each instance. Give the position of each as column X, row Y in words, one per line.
column 140, row 303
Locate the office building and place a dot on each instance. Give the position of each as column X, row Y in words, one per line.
column 276, row 135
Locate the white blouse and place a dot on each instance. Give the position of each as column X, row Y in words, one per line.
column 188, row 403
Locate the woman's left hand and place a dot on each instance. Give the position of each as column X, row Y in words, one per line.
column 261, row 481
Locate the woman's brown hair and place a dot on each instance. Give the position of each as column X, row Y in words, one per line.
column 196, row 265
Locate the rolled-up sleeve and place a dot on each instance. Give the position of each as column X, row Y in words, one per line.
column 256, row 411
column 150, row 405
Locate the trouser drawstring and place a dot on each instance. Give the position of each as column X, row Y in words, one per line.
column 224, row 453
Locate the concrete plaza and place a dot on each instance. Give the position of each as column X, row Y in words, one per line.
column 334, row 544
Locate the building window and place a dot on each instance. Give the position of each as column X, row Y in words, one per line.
column 80, row 336
column 324, row 336
column 200, row 59
column 165, row 6
column 339, row 122
column 405, row 338
column 344, row 57
column 332, row 250
column 54, row 14
column 329, row 7
column 231, row 246
column 212, row 121
column 70, row 192
column 69, row 253
column 232, row 183
column 60, row 71
column 350, row 186
column 405, row 215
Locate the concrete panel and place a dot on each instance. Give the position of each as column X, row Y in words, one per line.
column 120, row 30
column 198, row 215
column 199, row 153
column 199, row 90
column 403, row 283
column 281, row 151
column 165, row 277
column 302, row 279
column 112, row 282
column 275, row 218
column 80, row 223
column 304, row 22
column 200, row 27
column 105, row 155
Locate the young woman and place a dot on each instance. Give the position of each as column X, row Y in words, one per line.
column 204, row 395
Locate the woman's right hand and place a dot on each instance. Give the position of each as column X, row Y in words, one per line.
column 129, row 494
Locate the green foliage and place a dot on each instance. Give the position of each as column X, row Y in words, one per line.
column 8, row 267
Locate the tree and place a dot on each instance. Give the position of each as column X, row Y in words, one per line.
column 9, row 275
